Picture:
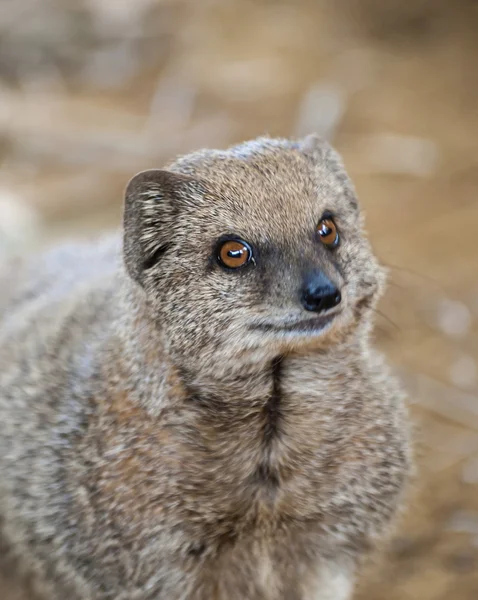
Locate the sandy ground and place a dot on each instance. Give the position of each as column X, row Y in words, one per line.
column 396, row 92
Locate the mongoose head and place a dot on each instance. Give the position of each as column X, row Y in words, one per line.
column 254, row 251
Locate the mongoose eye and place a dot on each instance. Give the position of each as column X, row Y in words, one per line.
column 234, row 254
column 328, row 232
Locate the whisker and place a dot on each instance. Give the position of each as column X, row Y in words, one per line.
column 387, row 318
column 415, row 273
column 396, row 284
column 384, row 331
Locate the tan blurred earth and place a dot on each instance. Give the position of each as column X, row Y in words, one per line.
column 93, row 91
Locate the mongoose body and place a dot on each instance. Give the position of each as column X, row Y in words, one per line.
column 192, row 410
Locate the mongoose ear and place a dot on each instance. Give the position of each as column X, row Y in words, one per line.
column 320, row 151
column 150, row 210
column 314, row 145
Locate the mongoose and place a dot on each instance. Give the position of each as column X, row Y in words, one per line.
column 192, row 410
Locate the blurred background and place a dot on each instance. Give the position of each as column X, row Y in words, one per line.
column 92, row 91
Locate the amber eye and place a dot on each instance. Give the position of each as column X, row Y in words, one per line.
column 234, row 254
column 328, row 233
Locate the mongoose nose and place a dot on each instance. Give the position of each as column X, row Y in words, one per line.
column 319, row 293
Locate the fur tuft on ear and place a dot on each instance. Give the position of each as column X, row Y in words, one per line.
column 150, row 211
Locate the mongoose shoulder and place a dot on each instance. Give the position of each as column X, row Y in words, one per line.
column 192, row 410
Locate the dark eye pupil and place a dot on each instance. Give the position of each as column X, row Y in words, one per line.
column 328, row 233
column 235, row 253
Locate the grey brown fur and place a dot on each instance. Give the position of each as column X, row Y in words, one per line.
column 163, row 435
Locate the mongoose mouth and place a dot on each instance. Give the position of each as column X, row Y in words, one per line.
column 309, row 326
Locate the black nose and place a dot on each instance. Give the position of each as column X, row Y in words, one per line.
column 319, row 293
